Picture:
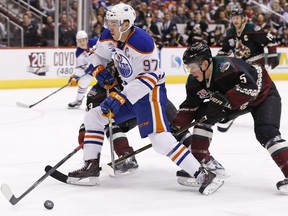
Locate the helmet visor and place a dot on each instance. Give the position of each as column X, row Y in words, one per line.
column 111, row 24
column 190, row 67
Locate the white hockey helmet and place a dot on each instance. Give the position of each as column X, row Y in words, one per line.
column 121, row 12
column 81, row 34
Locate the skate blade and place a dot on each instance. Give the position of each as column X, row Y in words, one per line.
column 213, row 186
column 283, row 189
column 76, row 107
column 126, row 172
column 221, row 173
column 90, row 181
column 189, row 182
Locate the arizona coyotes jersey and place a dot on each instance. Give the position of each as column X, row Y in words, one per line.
column 136, row 60
column 249, row 45
column 241, row 83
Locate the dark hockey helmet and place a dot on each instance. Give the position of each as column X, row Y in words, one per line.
column 237, row 12
column 197, row 53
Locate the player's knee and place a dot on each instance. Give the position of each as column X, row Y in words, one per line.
column 94, row 120
column 265, row 133
column 163, row 142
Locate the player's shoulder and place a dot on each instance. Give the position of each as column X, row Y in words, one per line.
column 141, row 41
column 92, row 41
column 230, row 31
column 224, row 64
column 79, row 51
column 105, row 35
column 250, row 27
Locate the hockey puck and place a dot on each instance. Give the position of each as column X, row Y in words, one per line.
column 48, row 204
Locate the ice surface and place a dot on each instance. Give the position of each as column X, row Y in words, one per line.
column 33, row 138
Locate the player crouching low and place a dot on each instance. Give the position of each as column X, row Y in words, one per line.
column 143, row 96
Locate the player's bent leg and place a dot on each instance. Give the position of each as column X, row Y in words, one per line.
column 122, row 148
column 278, row 149
column 165, row 144
column 93, row 140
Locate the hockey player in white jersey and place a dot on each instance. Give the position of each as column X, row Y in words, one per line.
column 82, row 62
column 143, row 96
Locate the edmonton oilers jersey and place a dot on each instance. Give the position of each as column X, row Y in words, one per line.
column 136, row 60
column 82, row 60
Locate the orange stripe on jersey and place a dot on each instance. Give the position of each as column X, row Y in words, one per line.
column 94, row 137
column 148, row 78
column 159, row 125
column 179, row 152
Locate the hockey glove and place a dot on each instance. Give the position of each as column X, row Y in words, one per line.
column 273, row 60
column 184, row 117
column 215, row 109
column 104, row 77
column 73, row 81
column 113, row 103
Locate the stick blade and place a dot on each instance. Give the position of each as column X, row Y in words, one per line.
column 20, row 104
column 7, row 192
column 108, row 169
column 56, row 174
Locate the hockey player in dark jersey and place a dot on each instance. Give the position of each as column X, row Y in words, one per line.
column 247, row 41
column 232, row 87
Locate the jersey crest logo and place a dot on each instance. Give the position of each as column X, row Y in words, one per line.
column 241, row 50
column 231, row 42
column 203, row 94
column 123, row 65
column 224, row 66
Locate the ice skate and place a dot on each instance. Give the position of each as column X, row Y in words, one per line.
column 282, row 186
column 183, row 178
column 208, row 180
column 224, row 126
column 75, row 104
column 87, row 175
column 215, row 167
column 126, row 166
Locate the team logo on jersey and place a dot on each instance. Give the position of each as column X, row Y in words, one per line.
column 203, row 94
column 231, row 42
column 241, row 50
column 123, row 65
column 224, row 66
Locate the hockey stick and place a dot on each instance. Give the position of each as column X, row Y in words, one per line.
column 20, row 104
column 111, row 135
column 63, row 178
column 6, row 190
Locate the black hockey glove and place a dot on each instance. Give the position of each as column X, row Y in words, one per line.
column 215, row 109
column 273, row 60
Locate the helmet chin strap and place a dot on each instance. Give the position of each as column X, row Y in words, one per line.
column 121, row 33
column 204, row 73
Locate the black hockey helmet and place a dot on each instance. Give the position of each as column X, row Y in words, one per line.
column 237, row 12
column 197, row 53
